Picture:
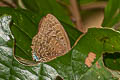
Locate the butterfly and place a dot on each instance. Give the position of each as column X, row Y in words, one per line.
column 51, row 40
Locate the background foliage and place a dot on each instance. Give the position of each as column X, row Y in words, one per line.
column 18, row 26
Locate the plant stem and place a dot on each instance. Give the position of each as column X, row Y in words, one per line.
column 7, row 3
column 117, row 26
column 75, row 11
column 94, row 5
column 76, row 15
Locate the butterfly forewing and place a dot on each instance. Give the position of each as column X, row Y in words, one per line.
column 51, row 40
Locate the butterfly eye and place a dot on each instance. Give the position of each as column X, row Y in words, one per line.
column 35, row 57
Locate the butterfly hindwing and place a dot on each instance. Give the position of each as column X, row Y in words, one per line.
column 51, row 40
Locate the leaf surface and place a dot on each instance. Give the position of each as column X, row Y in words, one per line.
column 72, row 66
column 112, row 14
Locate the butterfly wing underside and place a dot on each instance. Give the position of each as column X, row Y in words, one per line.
column 51, row 40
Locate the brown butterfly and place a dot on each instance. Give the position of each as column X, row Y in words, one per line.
column 51, row 40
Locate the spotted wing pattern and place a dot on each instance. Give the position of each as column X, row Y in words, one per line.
column 51, row 40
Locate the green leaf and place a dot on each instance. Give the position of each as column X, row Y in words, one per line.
column 112, row 13
column 10, row 69
column 112, row 58
column 25, row 26
column 71, row 66
column 47, row 6
column 20, row 30
column 97, row 41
